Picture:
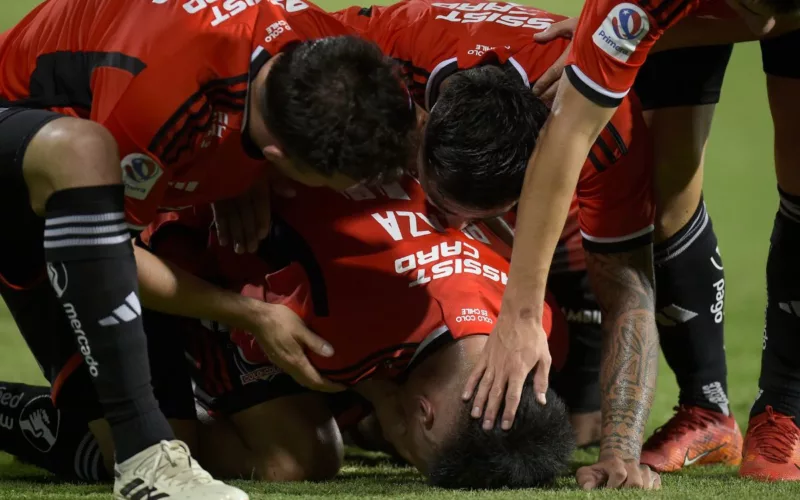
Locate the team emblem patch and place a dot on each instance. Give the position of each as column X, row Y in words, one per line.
column 622, row 30
column 139, row 174
column 40, row 422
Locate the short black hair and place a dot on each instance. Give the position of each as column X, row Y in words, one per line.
column 533, row 453
column 337, row 104
column 479, row 137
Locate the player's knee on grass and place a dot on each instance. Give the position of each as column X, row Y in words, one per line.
column 294, row 438
column 338, row 106
column 535, row 452
column 69, row 153
column 478, row 139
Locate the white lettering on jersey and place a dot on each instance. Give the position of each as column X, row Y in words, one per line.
column 390, row 221
column 219, row 125
column 508, row 14
column 472, row 315
column 222, row 9
column 468, row 263
column 276, row 29
column 621, row 31
column 290, row 5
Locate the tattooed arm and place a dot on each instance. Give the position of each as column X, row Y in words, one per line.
column 624, row 286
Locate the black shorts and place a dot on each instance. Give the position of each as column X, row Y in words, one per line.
column 578, row 382
column 683, row 77
column 224, row 381
column 780, row 56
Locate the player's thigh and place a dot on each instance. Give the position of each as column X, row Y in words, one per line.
column 781, row 61
column 679, row 90
column 288, row 432
column 292, row 438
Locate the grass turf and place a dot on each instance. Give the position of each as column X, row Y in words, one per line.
column 742, row 199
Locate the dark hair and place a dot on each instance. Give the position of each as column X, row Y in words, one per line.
column 534, row 452
column 479, row 137
column 337, row 104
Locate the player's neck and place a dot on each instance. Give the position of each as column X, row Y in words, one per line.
column 256, row 107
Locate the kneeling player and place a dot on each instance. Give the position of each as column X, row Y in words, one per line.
column 472, row 72
column 407, row 306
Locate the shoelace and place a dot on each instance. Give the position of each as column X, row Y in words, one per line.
column 172, row 454
column 775, row 437
column 686, row 419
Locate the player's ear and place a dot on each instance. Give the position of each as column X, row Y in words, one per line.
column 425, row 413
column 422, row 118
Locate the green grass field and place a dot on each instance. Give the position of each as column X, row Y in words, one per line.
column 742, row 199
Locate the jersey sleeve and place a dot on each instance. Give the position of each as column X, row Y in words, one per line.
column 158, row 120
column 612, row 41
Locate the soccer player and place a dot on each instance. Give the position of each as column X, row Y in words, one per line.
column 471, row 167
column 610, row 44
column 405, row 302
column 683, row 105
column 110, row 111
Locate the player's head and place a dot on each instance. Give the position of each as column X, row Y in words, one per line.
column 477, row 142
column 446, row 444
column 338, row 113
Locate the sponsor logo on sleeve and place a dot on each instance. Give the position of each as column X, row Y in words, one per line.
column 139, row 174
column 621, row 31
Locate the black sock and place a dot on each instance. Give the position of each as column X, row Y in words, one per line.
column 91, row 267
column 779, row 384
column 37, row 433
column 690, row 293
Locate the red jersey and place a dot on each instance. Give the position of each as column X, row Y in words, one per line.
column 613, row 39
column 168, row 79
column 372, row 272
column 433, row 40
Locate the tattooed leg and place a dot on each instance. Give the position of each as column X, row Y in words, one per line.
column 624, row 286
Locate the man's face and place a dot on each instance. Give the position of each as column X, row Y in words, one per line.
column 426, row 412
column 308, row 176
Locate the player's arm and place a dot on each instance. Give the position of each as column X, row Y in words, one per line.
column 623, row 284
column 697, row 31
column 518, row 343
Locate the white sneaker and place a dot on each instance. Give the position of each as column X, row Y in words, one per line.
column 167, row 471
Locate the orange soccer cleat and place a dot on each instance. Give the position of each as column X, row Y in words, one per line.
column 771, row 448
column 694, row 435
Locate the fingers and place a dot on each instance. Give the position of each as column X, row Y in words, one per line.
column 263, row 217
column 234, row 225
column 591, row 477
column 540, row 378
column 249, row 226
column 496, row 394
column 474, row 378
column 513, row 395
column 482, row 394
column 316, row 344
column 306, row 375
column 617, row 474
column 221, row 210
column 651, row 480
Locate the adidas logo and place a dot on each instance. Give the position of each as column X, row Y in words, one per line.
column 136, row 491
column 125, row 313
column 672, row 315
column 792, row 307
